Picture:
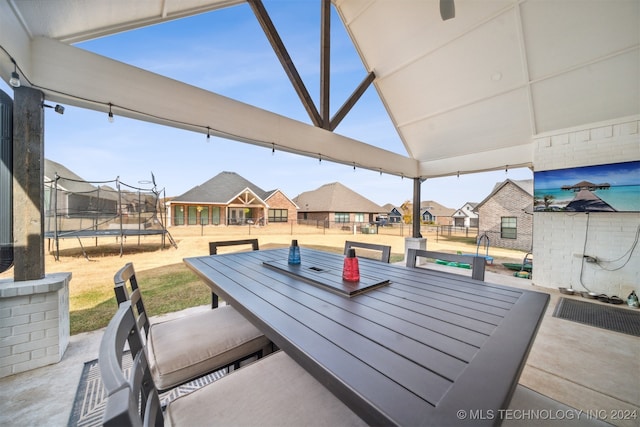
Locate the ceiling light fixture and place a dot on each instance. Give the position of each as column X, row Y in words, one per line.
column 111, row 119
column 15, row 78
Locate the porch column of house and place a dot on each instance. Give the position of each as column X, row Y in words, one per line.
column 28, row 191
column 35, row 308
column 416, row 241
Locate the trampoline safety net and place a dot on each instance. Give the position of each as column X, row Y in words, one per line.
column 78, row 209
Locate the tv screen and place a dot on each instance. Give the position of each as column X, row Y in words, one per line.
column 601, row 188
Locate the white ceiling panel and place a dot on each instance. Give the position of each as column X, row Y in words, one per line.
column 600, row 91
column 417, row 28
column 476, row 66
column 560, row 35
column 498, row 122
column 72, row 21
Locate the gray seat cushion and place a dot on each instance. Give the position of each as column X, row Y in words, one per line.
column 274, row 391
column 185, row 348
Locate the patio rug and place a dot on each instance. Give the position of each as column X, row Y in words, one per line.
column 618, row 319
column 90, row 399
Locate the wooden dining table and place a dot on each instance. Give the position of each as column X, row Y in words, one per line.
column 403, row 346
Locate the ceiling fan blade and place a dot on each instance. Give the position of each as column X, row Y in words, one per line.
column 447, row 9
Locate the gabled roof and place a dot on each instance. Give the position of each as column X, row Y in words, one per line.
column 461, row 212
column 335, row 197
column 526, row 185
column 68, row 180
column 221, row 189
column 273, row 192
column 435, row 208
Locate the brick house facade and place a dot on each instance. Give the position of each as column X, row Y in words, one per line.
column 335, row 205
column 505, row 216
column 229, row 199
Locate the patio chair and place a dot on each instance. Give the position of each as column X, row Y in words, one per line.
column 213, row 250
column 385, row 251
column 476, row 263
column 189, row 347
column 272, row 391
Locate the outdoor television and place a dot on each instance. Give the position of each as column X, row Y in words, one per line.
column 602, row 188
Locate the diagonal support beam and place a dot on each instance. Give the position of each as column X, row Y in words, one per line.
column 325, row 63
column 285, row 60
column 349, row 103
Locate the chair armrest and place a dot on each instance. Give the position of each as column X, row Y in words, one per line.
column 477, row 262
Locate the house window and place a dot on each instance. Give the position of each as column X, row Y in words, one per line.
column 192, row 212
column 204, row 216
column 508, row 227
column 278, row 215
column 342, row 216
column 359, row 217
column 178, row 215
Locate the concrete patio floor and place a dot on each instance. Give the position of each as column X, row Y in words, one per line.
column 575, row 375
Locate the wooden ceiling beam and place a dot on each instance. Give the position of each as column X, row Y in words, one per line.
column 325, row 63
column 349, row 103
column 278, row 46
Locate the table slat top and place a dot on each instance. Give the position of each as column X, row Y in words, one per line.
column 412, row 352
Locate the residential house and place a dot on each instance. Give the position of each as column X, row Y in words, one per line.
column 75, row 197
column 230, row 199
column 394, row 213
column 466, row 216
column 434, row 212
column 506, row 215
column 336, row 205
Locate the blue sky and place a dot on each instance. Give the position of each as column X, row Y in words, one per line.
column 227, row 52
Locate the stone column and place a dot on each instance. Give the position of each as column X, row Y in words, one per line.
column 28, row 178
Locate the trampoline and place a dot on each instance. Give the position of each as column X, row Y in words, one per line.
column 80, row 209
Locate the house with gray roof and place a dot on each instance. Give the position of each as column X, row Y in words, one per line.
column 434, row 212
column 394, row 213
column 230, row 199
column 466, row 216
column 337, row 206
column 505, row 216
column 75, row 197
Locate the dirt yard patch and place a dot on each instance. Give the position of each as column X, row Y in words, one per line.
column 94, row 276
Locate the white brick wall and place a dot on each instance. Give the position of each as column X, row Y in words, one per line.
column 34, row 323
column 609, row 236
column 559, row 243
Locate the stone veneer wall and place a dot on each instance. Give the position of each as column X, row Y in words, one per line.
column 560, row 239
column 34, row 322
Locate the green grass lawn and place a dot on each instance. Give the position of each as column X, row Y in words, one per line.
column 165, row 290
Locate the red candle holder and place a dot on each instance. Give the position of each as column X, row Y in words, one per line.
column 351, row 270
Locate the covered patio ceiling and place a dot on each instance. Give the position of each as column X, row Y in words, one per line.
column 467, row 94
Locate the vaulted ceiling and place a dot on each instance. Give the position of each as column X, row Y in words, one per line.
column 466, row 94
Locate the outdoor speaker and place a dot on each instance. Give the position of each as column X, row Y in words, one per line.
column 6, row 181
